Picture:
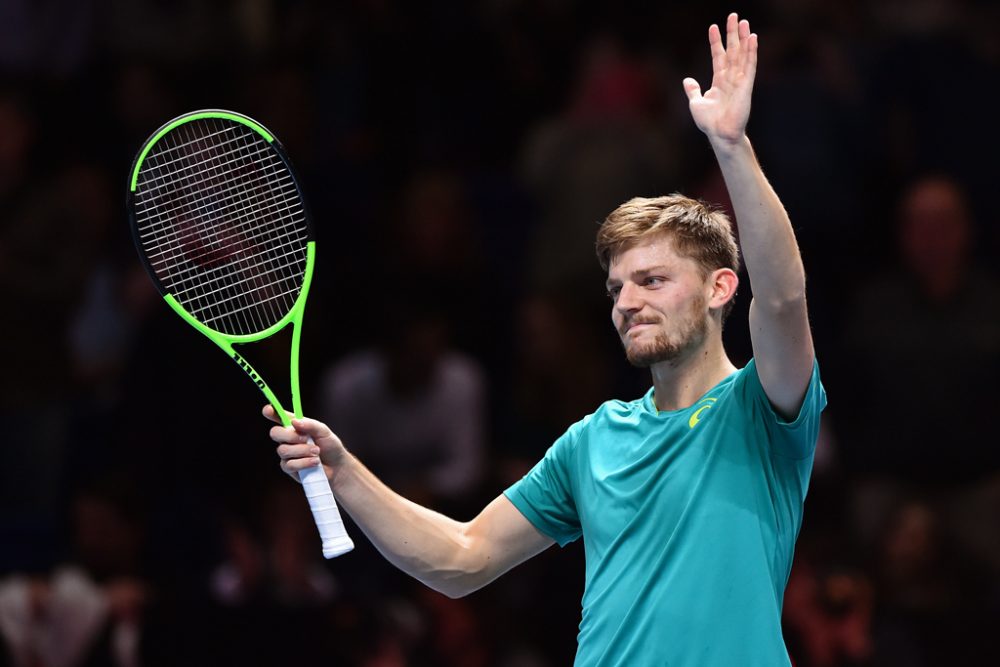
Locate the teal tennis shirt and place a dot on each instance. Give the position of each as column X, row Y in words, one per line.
column 689, row 520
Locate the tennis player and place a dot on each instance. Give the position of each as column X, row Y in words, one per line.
column 689, row 500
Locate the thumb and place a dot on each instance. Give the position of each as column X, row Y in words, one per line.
column 692, row 89
column 312, row 428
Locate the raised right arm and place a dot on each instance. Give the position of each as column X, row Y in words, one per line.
column 452, row 557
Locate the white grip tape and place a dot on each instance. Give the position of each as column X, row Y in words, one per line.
column 325, row 512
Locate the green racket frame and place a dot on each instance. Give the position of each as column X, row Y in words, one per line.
column 317, row 489
column 227, row 341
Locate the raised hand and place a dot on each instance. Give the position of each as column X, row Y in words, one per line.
column 305, row 444
column 722, row 111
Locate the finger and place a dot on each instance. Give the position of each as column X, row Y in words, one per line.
column 294, row 452
column 284, row 434
column 743, row 31
column 295, row 465
column 271, row 414
column 718, row 51
column 751, row 66
column 692, row 89
column 732, row 38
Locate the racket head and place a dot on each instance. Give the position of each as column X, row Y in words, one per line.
column 220, row 223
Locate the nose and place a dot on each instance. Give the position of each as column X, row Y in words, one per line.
column 629, row 298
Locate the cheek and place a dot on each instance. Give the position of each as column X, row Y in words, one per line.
column 669, row 302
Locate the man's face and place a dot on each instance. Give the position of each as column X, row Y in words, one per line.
column 660, row 302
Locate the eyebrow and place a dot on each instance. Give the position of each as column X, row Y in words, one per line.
column 640, row 272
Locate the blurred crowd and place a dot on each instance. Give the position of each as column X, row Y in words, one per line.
column 457, row 159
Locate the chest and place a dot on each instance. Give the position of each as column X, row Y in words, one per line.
column 658, row 475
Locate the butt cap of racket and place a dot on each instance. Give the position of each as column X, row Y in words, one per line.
column 337, row 547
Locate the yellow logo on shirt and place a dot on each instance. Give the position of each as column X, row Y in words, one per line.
column 696, row 415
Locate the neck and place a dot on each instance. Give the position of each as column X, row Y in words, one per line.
column 678, row 383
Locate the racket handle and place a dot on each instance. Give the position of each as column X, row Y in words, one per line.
column 324, row 508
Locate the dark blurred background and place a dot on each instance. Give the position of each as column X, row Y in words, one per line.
column 458, row 158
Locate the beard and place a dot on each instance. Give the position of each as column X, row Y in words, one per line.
column 688, row 333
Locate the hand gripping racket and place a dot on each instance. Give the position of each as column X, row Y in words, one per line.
column 221, row 227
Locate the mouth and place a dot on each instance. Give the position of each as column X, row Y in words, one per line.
column 636, row 324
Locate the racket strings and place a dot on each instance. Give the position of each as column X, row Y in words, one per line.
column 293, row 260
column 244, row 220
column 161, row 186
column 291, row 236
column 248, row 232
column 186, row 240
column 190, row 180
column 221, row 223
column 198, row 154
column 204, row 205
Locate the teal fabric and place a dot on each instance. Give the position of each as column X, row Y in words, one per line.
column 689, row 520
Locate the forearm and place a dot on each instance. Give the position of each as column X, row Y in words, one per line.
column 428, row 546
column 770, row 251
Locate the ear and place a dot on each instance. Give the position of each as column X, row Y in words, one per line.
column 721, row 287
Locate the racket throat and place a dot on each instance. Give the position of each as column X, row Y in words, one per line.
column 248, row 369
column 272, row 398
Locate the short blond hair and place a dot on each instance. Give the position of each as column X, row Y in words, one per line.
column 697, row 230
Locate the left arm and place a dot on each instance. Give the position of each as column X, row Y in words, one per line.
column 779, row 321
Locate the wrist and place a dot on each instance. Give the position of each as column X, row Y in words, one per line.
column 339, row 472
column 729, row 147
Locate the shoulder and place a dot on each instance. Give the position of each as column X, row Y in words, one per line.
column 791, row 438
column 617, row 409
column 747, row 380
column 611, row 415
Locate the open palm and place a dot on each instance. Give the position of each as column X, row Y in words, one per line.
column 722, row 112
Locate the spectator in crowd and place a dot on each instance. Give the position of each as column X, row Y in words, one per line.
column 609, row 143
column 92, row 609
column 924, row 344
column 414, row 406
column 932, row 608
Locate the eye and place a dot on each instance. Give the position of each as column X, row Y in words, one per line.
column 653, row 281
column 613, row 293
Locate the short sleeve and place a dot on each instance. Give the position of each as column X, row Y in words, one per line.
column 545, row 495
column 794, row 439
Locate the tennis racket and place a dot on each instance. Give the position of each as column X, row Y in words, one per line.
column 220, row 224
